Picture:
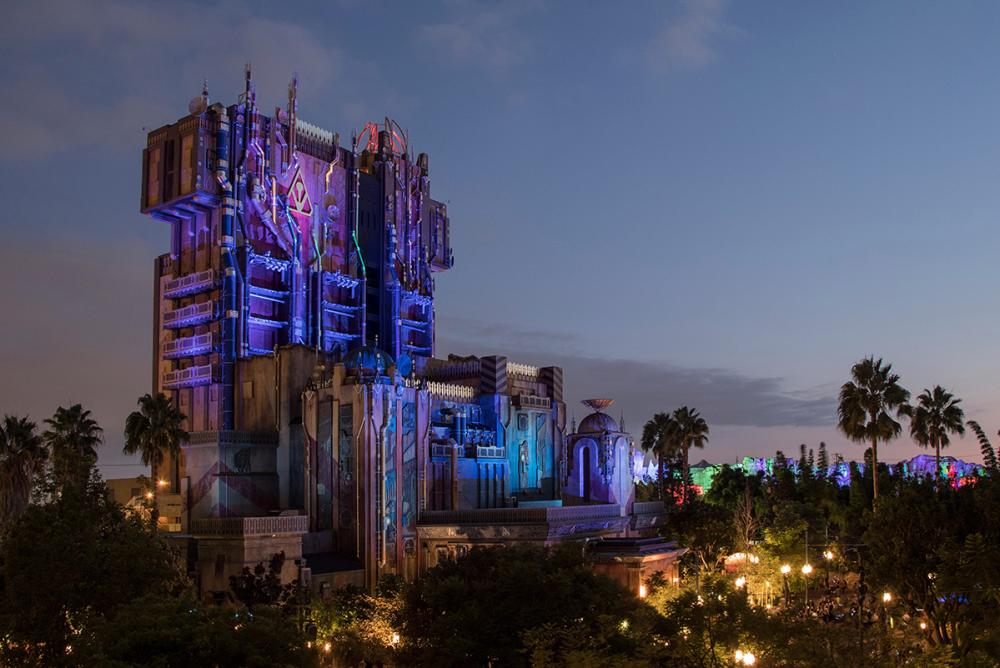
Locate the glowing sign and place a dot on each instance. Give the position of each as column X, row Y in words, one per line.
column 298, row 196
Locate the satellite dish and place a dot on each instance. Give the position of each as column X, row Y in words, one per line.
column 197, row 105
column 597, row 404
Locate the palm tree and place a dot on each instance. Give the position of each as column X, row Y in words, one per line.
column 691, row 431
column 989, row 454
column 155, row 430
column 22, row 461
column 72, row 437
column 936, row 415
column 657, row 437
column 869, row 405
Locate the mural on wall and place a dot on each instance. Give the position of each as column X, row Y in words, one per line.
column 389, row 482
column 324, row 466
column 409, row 466
column 522, row 465
column 541, row 447
column 346, row 458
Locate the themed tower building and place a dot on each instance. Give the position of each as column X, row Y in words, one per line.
column 294, row 327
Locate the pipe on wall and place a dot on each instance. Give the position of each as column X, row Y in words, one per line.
column 355, row 203
column 228, row 246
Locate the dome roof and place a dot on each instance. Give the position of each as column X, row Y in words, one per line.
column 368, row 360
column 597, row 422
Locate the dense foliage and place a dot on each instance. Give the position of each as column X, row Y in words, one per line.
column 86, row 582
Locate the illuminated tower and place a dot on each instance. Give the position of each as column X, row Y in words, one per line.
column 281, row 236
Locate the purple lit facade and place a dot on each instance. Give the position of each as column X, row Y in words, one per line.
column 294, row 327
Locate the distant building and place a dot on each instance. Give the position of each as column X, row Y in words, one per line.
column 125, row 490
column 294, row 326
column 956, row 471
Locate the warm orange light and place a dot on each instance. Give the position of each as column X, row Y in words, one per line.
column 327, row 647
column 149, row 495
column 807, row 569
column 642, row 591
column 161, row 483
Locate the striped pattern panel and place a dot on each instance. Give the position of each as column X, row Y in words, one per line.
column 493, row 375
column 552, row 376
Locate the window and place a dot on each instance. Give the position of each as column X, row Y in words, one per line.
column 153, row 183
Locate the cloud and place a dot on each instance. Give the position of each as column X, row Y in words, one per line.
column 643, row 387
column 689, row 39
column 478, row 35
column 137, row 56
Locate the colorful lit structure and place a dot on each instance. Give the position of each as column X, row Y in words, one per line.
column 956, row 471
column 294, row 326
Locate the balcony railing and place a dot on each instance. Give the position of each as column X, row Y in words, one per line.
column 451, row 391
column 531, row 401
column 189, row 377
column 522, row 370
column 188, row 346
column 189, row 315
column 647, row 507
column 249, row 526
column 268, row 294
column 190, row 284
column 490, row 452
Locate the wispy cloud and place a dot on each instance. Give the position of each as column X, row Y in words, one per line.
column 138, row 56
column 643, row 387
column 489, row 36
column 689, row 38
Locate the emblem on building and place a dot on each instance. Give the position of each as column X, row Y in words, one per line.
column 298, row 196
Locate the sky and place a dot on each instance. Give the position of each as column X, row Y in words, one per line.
column 710, row 203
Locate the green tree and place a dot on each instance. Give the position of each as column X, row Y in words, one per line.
column 986, row 448
column 690, row 431
column 822, row 462
column 477, row 610
column 22, row 462
column 658, row 437
column 72, row 437
column 262, row 585
column 936, row 416
column 706, row 529
column 926, row 549
column 167, row 631
column 729, row 486
column 155, row 430
column 69, row 563
column 362, row 627
column 870, row 404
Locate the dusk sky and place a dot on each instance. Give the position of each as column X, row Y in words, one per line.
column 717, row 204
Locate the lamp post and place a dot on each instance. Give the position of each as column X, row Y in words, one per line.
column 807, row 570
column 785, row 593
column 828, row 557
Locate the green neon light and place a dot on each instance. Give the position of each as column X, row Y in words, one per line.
column 357, row 246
